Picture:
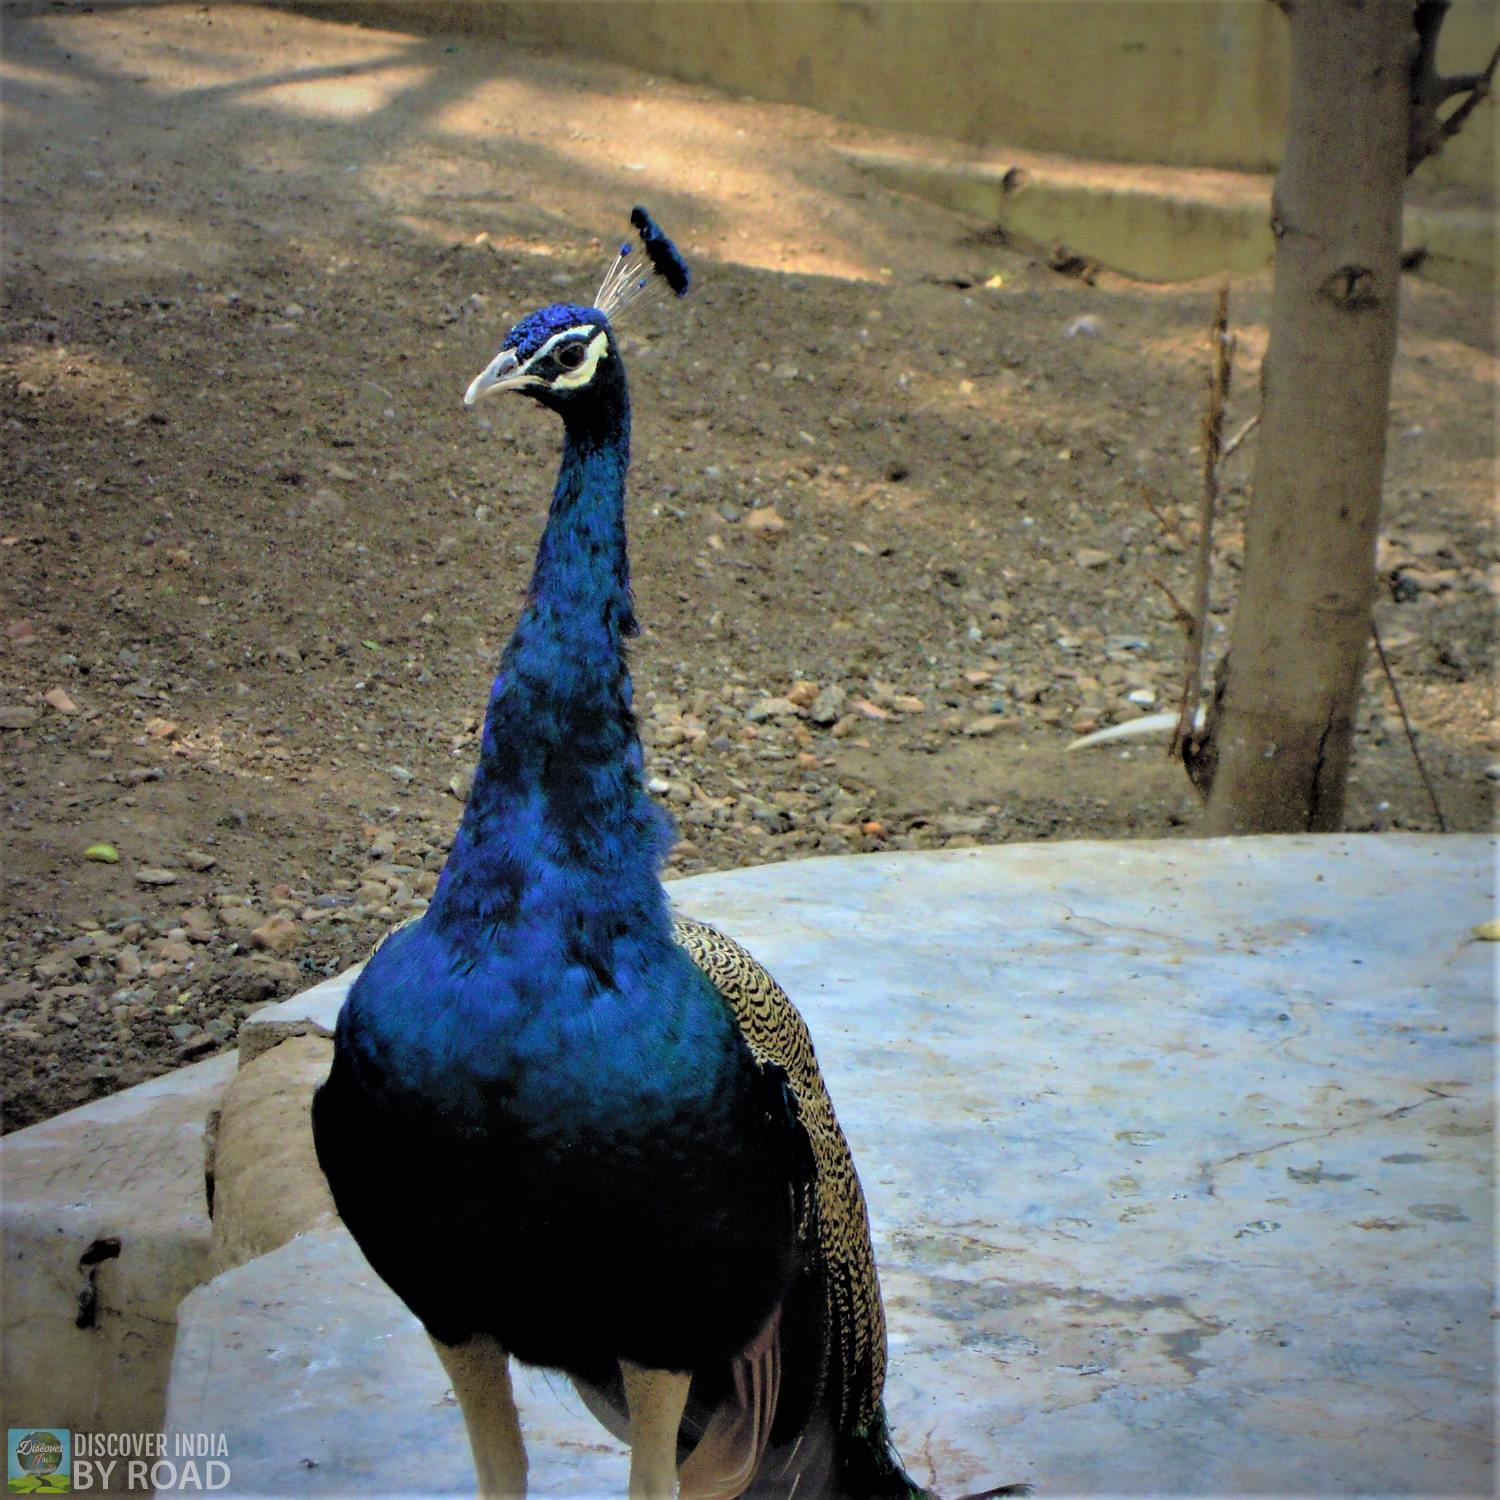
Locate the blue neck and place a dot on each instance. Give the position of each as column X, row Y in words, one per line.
column 559, row 830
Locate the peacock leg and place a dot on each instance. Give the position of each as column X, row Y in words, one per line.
column 479, row 1371
column 655, row 1399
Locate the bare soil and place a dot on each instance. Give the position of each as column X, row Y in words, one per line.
column 890, row 534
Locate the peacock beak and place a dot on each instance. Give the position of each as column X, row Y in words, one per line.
column 503, row 373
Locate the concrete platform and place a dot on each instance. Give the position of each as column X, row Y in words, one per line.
column 1179, row 1157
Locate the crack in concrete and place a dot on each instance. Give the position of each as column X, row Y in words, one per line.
column 1207, row 1170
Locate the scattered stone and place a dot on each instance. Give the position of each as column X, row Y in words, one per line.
column 152, row 875
column 197, row 860
column 765, row 521
column 956, row 824
column 161, row 729
column 1092, row 557
column 870, row 710
column 197, row 924
column 771, row 708
column 17, row 716
column 985, row 724
column 826, row 708
column 461, row 783
column 277, row 934
column 59, row 700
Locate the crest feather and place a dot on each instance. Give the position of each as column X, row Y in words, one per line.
column 630, row 282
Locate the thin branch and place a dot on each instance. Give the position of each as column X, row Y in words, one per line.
column 1426, row 133
column 1463, row 83
column 1221, row 372
column 1477, row 94
column 1180, row 611
column 1163, row 520
column 1240, row 437
column 1411, row 736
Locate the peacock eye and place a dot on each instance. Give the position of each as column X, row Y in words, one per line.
column 570, row 356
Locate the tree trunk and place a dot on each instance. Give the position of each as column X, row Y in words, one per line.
column 1302, row 621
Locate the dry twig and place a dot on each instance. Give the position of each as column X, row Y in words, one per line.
column 1411, row 734
column 1240, row 437
column 1180, row 611
column 1162, row 519
column 1221, row 371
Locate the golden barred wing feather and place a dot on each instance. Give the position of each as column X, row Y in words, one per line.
column 776, row 1033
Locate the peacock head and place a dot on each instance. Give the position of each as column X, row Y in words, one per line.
column 554, row 354
column 565, row 353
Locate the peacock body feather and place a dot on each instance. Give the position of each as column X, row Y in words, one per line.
column 559, row 1120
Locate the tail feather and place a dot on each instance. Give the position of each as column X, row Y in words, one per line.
column 866, row 1464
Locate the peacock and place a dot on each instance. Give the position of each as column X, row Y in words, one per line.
column 569, row 1128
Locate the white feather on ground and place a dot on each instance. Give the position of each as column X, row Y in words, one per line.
column 1134, row 729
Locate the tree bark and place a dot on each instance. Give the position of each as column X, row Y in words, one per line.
column 1302, row 620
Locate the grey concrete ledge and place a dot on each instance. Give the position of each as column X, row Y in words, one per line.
column 1178, row 1156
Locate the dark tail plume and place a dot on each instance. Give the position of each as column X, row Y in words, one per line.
column 867, row 1465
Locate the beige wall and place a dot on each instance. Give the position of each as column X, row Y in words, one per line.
column 1182, row 82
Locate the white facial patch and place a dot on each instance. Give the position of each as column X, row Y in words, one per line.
column 580, row 375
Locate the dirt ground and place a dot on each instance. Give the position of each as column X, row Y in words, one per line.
column 891, row 542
